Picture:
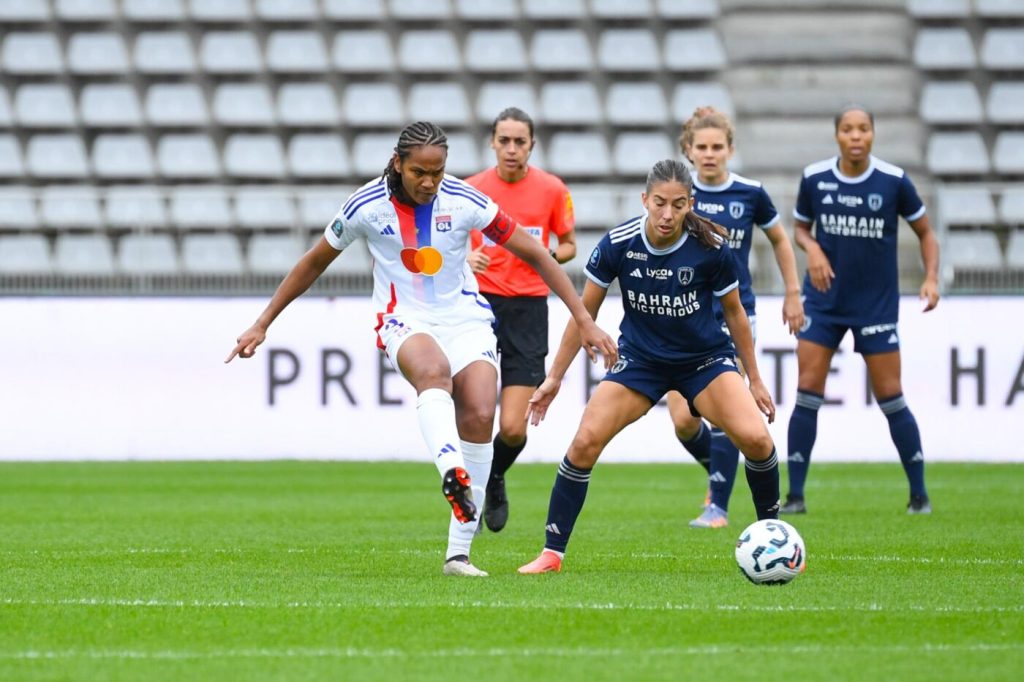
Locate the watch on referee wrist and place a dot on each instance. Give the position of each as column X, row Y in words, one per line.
column 553, row 255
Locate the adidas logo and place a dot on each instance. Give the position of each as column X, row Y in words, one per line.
column 636, row 273
column 552, row 528
column 717, row 477
column 448, row 447
column 918, row 457
column 728, row 363
column 893, row 338
column 827, row 199
column 388, row 230
column 797, row 457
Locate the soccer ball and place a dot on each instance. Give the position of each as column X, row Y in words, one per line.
column 771, row 552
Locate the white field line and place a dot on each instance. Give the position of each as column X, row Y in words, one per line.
column 885, row 558
column 528, row 652
column 502, row 605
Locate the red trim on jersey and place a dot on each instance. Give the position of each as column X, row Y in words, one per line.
column 380, row 316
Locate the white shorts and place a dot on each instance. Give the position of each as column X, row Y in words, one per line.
column 463, row 344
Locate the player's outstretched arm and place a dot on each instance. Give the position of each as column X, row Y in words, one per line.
column 310, row 266
column 818, row 266
column 592, row 338
column 593, row 297
column 792, row 307
column 739, row 329
column 930, row 255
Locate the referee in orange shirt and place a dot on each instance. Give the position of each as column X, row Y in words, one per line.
column 541, row 204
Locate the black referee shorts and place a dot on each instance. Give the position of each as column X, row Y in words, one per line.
column 521, row 325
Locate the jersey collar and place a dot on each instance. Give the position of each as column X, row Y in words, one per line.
column 715, row 188
column 857, row 180
column 660, row 252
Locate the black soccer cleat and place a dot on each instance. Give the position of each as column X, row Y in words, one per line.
column 919, row 504
column 794, row 505
column 496, row 504
column 457, row 490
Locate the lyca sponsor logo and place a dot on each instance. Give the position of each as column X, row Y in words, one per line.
column 851, row 200
column 709, row 207
column 659, row 273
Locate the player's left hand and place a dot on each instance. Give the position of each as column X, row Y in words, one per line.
column 541, row 399
column 595, row 340
column 763, row 399
column 930, row 294
column 793, row 312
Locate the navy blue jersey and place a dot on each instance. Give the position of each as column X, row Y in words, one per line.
column 738, row 205
column 855, row 222
column 666, row 293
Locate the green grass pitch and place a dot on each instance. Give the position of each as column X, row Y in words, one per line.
column 318, row 571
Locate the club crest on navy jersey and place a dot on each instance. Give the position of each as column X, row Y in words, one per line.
column 685, row 276
column 736, row 209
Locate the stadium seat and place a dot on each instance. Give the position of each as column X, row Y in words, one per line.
column 110, row 105
column 950, row 103
column 318, row 206
column 287, row 10
column 70, row 206
column 163, row 53
column 586, row 240
column 11, row 165
column 428, row 51
column 243, row 105
column 496, row 96
column 693, row 50
column 226, row 52
column 1011, row 206
column 258, row 208
column 555, row 50
column 153, row 10
column 957, row 154
column 363, row 52
column 274, row 253
column 17, row 208
column 6, row 113
column 693, row 10
column 496, row 51
column 443, row 103
column 595, row 206
column 1008, row 154
column 373, row 105
column 200, row 206
column 968, row 206
column 24, row 10
column 85, row 10
column 354, row 10
column 630, row 49
column 135, row 207
column 579, row 155
column 211, row 254
column 570, row 103
column 545, row 9
column 44, row 105
column 939, row 9
column 57, row 156
column 24, row 254
column 176, row 105
column 220, row 11
column 296, row 52
column 99, row 54
column 999, row 9
column 615, row 10
column 1014, row 250
column 371, row 153
column 307, row 104
column 944, row 48
column 689, row 96
column 254, row 156
column 486, row 10
column 1006, row 103
column 354, row 260
column 32, row 54
column 187, row 156
column 147, row 254
column 83, row 254
column 420, row 10
column 635, row 153
column 463, row 155
column 122, row 157
column 972, row 250
column 636, row 104
column 1003, row 48
column 318, row 156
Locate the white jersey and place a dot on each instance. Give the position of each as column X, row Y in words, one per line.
column 419, row 253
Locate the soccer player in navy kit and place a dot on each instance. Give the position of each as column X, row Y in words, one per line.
column 671, row 264
column 739, row 205
column 854, row 202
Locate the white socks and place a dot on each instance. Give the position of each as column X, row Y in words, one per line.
column 435, row 411
column 478, row 458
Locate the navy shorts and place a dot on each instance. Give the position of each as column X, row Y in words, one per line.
column 521, row 325
column 869, row 339
column 656, row 378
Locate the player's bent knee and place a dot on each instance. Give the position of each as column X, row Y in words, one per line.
column 585, row 449
column 687, row 428
column 755, row 444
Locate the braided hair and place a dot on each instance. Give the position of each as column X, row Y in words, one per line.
column 709, row 234
column 704, row 117
column 419, row 134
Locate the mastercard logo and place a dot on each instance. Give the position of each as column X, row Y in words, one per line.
column 423, row 261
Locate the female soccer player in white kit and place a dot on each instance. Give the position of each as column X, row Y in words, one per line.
column 431, row 321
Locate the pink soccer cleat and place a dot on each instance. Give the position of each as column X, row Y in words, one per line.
column 547, row 562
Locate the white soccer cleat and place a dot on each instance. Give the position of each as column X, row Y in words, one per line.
column 460, row 566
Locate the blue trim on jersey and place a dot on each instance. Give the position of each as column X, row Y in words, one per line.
column 465, row 191
column 360, row 193
column 464, row 195
column 476, row 298
column 722, row 292
column 424, row 216
column 366, row 198
column 463, row 185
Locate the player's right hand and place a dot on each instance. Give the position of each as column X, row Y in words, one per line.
column 541, row 399
column 247, row 342
column 820, row 270
column 478, row 260
column 595, row 340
